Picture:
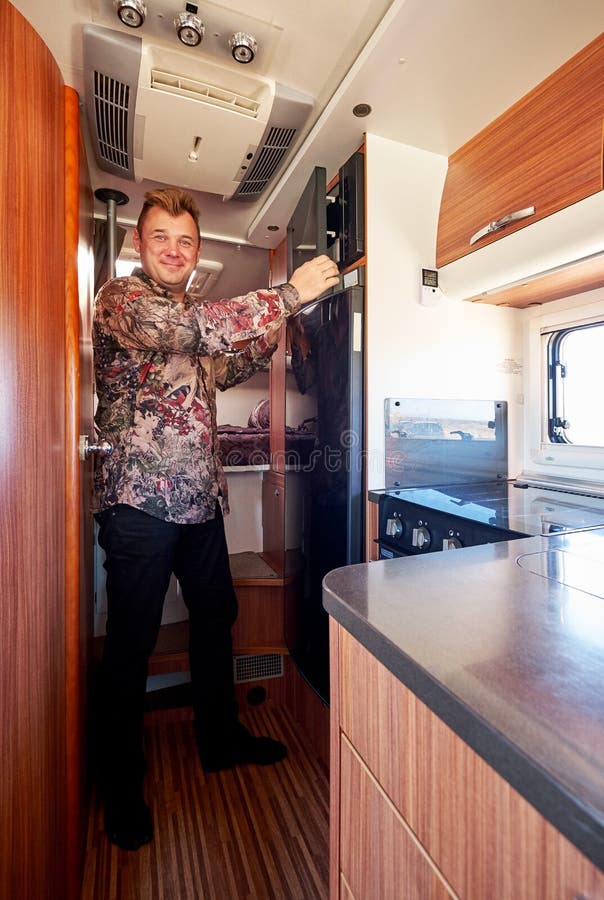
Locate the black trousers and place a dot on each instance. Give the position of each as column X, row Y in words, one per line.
column 142, row 552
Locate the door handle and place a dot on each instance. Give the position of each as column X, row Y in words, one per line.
column 497, row 224
column 103, row 448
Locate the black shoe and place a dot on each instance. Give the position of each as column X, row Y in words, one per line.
column 128, row 823
column 244, row 748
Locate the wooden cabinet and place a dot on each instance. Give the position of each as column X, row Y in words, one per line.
column 544, row 152
column 417, row 813
column 380, row 857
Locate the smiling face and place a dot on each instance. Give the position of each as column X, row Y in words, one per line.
column 169, row 248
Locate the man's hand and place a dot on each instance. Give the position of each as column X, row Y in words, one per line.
column 314, row 277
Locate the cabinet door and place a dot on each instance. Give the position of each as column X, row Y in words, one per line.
column 380, row 856
column 485, row 838
column 273, row 521
column 544, row 152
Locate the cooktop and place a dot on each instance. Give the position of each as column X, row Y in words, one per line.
column 518, row 508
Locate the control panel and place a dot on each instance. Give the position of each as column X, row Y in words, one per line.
column 407, row 529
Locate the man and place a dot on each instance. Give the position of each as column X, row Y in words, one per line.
column 159, row 357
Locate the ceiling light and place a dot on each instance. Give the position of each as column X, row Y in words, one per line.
column 131, row 12
column 189, row 28
column 243, row 47
column 361, row 110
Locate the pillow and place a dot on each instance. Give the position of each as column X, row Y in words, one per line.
column 260, row 416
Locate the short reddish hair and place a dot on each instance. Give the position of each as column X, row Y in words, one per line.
column 174, row 201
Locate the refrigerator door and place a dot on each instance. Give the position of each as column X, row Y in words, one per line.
column 324, row 497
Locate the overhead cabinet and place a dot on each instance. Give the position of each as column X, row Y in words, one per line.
column 539, row 157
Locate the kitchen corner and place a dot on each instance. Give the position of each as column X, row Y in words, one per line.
column 501, row 647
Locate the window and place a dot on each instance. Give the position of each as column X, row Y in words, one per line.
column 575, row 359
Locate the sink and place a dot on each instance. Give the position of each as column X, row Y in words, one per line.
column 582, row 572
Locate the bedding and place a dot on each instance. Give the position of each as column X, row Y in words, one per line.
column 249, row 445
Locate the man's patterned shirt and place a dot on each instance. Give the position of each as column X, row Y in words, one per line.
column 158, row 363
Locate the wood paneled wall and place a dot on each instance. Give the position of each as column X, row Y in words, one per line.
column 32, row 466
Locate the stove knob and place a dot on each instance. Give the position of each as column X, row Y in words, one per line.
column 451, row 543
column 394, row 527
column 421, row 538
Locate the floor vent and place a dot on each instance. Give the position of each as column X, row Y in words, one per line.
column 256, row 666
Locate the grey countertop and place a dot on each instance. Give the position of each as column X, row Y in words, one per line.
column 505, row 642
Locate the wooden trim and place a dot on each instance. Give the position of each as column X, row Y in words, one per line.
column 277, row 371
column 355, row 265
column 372, row 530
column 309, row 711
column 334, row 766
column 573, row 279
column 74, row 843
column 273, row 520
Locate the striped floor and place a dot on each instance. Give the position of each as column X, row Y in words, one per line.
column 253, row 832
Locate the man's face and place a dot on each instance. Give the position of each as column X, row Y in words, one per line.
column 169, row 248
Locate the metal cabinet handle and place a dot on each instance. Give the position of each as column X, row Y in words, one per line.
column 497, row 224
column 85, row 450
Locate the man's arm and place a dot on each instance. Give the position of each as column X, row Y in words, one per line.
column 233, row 368
column 141, row 319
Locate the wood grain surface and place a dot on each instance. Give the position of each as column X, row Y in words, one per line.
column 32, row 467
column 257, row 832
column 484, row 837
column 544, row 151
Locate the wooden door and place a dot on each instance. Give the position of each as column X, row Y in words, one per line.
column 79, row 536
column 39, row 619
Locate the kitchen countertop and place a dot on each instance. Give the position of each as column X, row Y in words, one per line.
column 505, row 643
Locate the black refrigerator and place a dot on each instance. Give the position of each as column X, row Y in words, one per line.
column 324, row 488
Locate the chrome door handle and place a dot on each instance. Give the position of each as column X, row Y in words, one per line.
column 497, row 224
column 103, row 448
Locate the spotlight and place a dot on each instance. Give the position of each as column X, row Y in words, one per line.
column 131, row 12
column 243, row 47
column 189, row 28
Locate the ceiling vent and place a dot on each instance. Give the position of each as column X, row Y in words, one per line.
column 179, row 118
column 265, row 163
column 111, row 83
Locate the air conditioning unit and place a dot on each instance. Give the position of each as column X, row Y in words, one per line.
column 180, row 119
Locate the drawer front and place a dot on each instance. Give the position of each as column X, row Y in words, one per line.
column 379, row 856
column 483, row 836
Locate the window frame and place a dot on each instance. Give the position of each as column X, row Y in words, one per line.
column 539, row 454
column 557, row 422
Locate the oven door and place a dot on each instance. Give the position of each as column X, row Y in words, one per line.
column 386, row 552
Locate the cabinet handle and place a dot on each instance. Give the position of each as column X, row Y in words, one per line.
column 497, row 224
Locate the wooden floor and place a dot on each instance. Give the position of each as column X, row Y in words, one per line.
column 252, row 832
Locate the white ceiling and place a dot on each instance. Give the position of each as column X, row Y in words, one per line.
column 434, row 72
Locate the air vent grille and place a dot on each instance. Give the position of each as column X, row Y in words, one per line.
column 257, row 666
column 111, row 106
column 204, row 93
column 273, row 150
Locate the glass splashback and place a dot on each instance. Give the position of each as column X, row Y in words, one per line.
column 444, row 441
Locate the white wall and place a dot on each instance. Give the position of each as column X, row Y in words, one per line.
column 243, row 527
column 454, row 350
column 233, row 407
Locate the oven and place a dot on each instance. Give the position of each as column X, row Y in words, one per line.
column 414, row 521
column 446, row 469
